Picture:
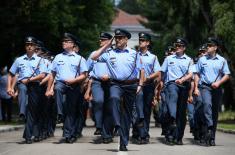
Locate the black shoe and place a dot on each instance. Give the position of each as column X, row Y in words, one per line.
column 212, row 142
column 122, row 148
column 140, row 123
column 107, row 140
column 79, row 135
column 60, row 119
column 97, row 131
column 115, row 132
column 169, row 140
column 36, row 139
column 135, row 140
column 28, row 141
column 179, row 142
column 98, row 140
column 144, row 141
column 22, row 118
column 71, row 140
column 63, row 140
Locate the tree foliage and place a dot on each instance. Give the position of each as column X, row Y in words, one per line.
column 195, row 20
column 47, row 20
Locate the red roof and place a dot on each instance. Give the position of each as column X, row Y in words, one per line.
column 124, row 18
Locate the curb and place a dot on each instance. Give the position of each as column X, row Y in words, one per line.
column 8, row 129
column 226, row 130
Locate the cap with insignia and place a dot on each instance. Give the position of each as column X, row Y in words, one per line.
column 105, row 35
column 144, row 36
column 181, row 41
column 30, row 40
column 122, row 32
column 69, row 37
column 202, row 48
column 213, row 41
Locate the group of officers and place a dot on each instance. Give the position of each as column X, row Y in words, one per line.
column 121, row 83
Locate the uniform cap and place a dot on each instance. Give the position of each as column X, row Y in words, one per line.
column 122, row 32
column 105, row 35
column 144, row 36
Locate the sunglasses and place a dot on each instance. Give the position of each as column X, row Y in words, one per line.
column 178, row 45
column 210, row 45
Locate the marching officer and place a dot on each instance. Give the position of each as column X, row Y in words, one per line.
column 152, row 69
column 30, row 72
column 178, row 70
column 68, row 70
column 124, row 67
column 213, row 71
column 100, row 84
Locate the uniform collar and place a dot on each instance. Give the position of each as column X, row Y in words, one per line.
column 125, row 50
column 32, row 58
column 216, row 57
column 180, row 57
column 144, row 54
column 69, row 53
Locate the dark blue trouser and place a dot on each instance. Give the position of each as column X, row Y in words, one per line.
column 190, row 113
column 80, row 115
column 32, row 125
column 99, row 94
column 22, row 97
column 148, row 93
column 6, row 107
column 68, row 108
column 177, row 105
column 211, row 99
column 120, row 113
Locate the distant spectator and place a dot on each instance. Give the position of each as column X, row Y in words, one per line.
column 6, row 100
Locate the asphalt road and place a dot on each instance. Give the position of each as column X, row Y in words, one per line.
column 9, row 145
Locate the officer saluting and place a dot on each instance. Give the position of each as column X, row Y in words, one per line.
column 124, row 67
column 30, row 71
column 68, row 70
column 213, row 71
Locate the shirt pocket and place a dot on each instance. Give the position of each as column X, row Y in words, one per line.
column 113, row 61
column 22, row 68
column 74, row 67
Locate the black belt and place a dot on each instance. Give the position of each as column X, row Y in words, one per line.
column 205, row 84
column 100, row 80
column 126, row 82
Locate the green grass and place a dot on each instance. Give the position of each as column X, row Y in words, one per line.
column 13, row 122
column 227, row 116
column 226, row 126
column 227, row 120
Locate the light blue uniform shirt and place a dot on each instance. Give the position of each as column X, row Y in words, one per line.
column 3, row 87
column 209, row 68
column 121, row 63
column 97, row 69
column 26, row 67
column 150, row 63
column 65, row 65
column 176, row 67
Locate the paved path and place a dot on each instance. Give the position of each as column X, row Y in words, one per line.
column 9, row 145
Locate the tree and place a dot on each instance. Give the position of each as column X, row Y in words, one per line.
column 47, row 20
column 195, row 20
